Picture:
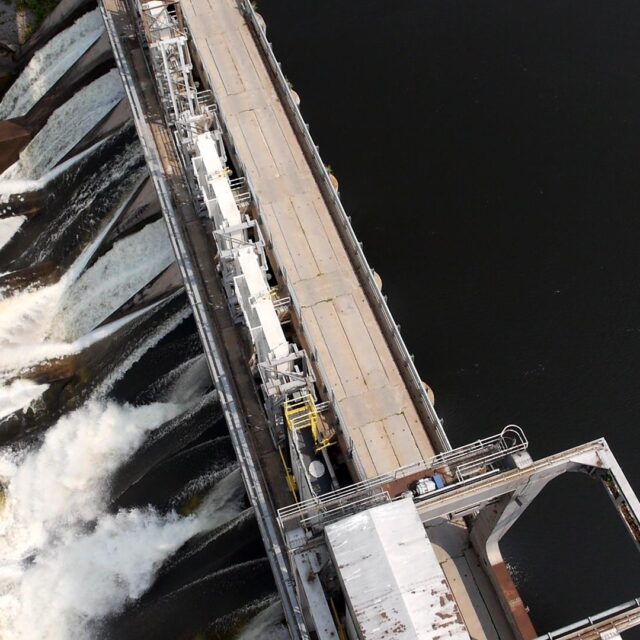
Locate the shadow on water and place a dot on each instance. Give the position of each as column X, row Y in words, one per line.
column 180, row 346
column 175, row 481
column 214, row 607
column 167, row 441
column 582, row 534
column 233, row 543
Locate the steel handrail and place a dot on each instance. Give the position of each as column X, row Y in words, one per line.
column 591, row 621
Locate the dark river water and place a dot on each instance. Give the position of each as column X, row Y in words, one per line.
column 488, row 153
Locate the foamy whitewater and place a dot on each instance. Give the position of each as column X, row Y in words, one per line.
column 71, row 585
column 49, row 64
column 19, row 394
column 267, row 625
column 33, row 322
column 67, row 561
column 64, row 481
column 25, row 319
column 113, row 279
column 151, row 341
column 9, row 227
column 67, row 126
column 17, row 187
column 122, row 168
column 74, row 575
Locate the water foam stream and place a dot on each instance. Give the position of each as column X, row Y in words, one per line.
column 67, row 126
column 19, row 394
column 56, row 320
column 63, row 481
column 76, row 575
column 67, row 561
column 9, row 227
column 48, row 64
column 113, row 279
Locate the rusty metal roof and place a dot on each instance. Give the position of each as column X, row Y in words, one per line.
column 391, row 576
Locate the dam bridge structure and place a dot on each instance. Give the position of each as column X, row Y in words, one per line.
column 375, row 527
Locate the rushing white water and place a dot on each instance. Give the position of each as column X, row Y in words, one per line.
column 193, row 382
column 151, row 341
column 66, row 562
column 25, row 318
column 47, row 322
column 104, row 188
column 127, row 267
column 48, row 64
column 17, row 356
column 89, row 251
column 78, row 576
column 199, row 484
column 67, row 126
column 225, row 501
column 9, row 227
column 172, row 382
column 9, row 188
column 72, row 585
column 64, row 481
column 267, row 625
column 24, row 321
column 19, row 394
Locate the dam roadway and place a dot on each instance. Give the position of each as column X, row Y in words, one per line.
column 386, row 418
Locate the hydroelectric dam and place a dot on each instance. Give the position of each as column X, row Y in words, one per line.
column 374, row 526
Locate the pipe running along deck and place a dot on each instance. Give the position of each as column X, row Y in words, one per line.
column 221, row 342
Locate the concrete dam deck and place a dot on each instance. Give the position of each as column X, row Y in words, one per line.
column 383, row 422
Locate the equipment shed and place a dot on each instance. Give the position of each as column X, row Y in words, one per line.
column 391, row 578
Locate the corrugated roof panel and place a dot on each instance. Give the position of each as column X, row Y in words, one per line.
column 392, row 577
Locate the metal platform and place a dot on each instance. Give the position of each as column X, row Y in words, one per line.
column 393, row 581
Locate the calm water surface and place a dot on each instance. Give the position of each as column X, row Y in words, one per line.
column 489, row 154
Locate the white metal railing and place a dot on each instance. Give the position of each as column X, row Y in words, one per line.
column 463, row 460
column 511, row 440
column 339, row 511
column 575, row 630
column 339, row 494
column 364, row 494
column 169, row 55
column 314, row 514
column 295, row 306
